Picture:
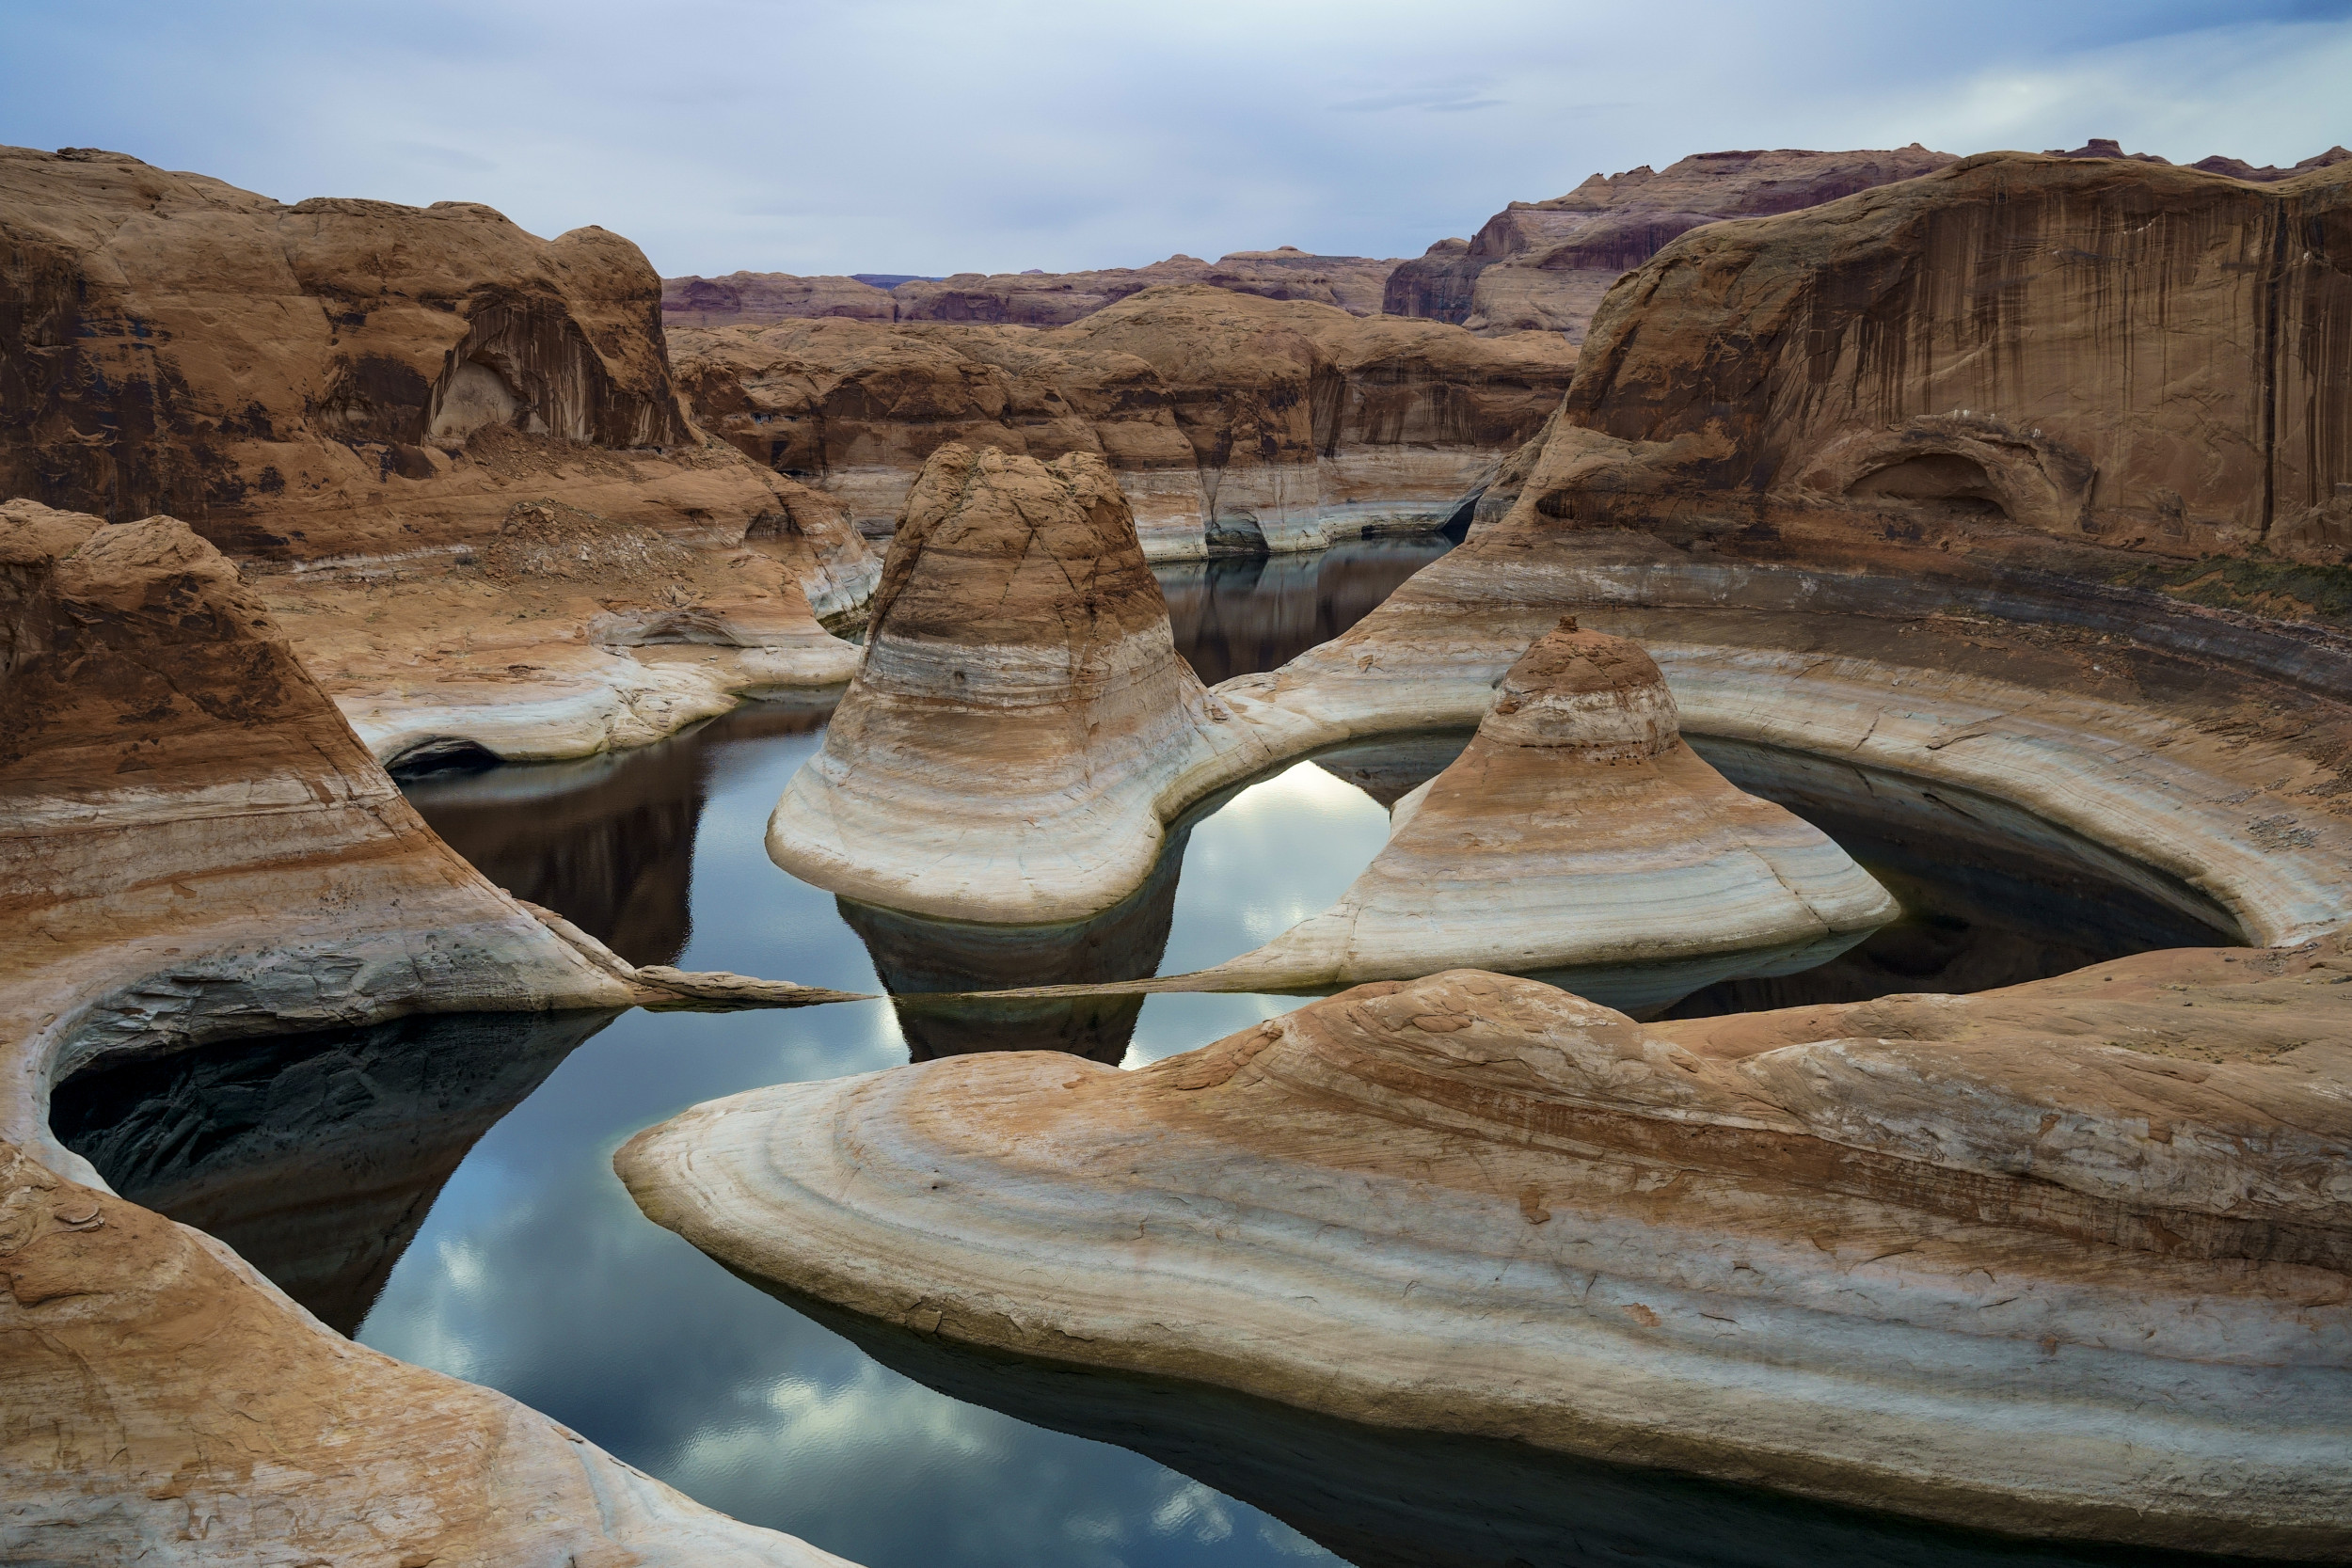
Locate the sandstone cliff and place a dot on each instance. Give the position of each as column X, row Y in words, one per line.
column 1353, row 283
column 1546, row 264
column 357, row 395
column 2103, row 353
column 1231, row 422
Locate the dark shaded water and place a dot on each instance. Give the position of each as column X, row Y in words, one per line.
column 444, row 1186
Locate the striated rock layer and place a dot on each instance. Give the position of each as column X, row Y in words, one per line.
column 1233, row 424
column 1578, row 831
column 1547, row 265
column 1021, row 726
column 194, row 846
column 1885, row 366
column 2097, row 1293
column 1353, row 283
column 354, row 396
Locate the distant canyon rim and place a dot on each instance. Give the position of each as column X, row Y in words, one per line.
column 2023, row 478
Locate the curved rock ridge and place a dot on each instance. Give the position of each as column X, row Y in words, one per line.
column 1235, row 424
column 1954, row 1258
column 1578, row 831
column 194, row 846
column 353, row 397
column 1021, row 726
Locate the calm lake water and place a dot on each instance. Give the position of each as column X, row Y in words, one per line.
column 443, row 1189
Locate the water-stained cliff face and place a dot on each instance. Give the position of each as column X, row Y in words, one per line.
column 2115, row 351
column 176, row 344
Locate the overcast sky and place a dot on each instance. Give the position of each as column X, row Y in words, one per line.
column 926, row 136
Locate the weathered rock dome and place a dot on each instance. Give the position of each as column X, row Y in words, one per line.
column 1021, row 717
column 1578, row 831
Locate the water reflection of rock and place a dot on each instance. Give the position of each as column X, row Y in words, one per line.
column 315, row 1156
column 1387, row 768
column 1400, row 1499
column 1992, row 894
column 917, row 959
column 1236, row 616
column 607, row 842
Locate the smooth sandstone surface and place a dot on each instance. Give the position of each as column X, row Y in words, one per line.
column 353, row 397
column 1022, row 725
column 1233, row 424
column 194, row 846
column 1578, row 831
column 1954, row 1256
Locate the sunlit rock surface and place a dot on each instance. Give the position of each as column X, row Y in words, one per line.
column 1022, row 726
column 1233, row 424
column 1577, row 831
column 363, row 403
column 1956, row 1257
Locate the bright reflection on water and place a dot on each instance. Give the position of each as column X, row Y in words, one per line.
column 536, row 1274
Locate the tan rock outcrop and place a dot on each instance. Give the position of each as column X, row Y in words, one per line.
column 1955, row 1258
column 2164, row 379
column 194, row 846
column 1547, row 265
column 1232, row 423
column 352, row 394
column 1021, row 726
column 1578, row 838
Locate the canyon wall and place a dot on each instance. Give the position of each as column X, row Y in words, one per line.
column 1232, row 423
column 2105, row 353
column 1546, row 264
column 362, row 401
column 1033, row 298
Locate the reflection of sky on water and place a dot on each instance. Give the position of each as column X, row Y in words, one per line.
column 535, row 1274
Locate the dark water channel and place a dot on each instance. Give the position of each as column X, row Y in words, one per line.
column 443, row 1188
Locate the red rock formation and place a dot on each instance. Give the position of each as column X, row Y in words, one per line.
column 765, row 296
column 1229, row 419
column 1547, row 263
column 363, row 391
column 1033, row 298
column 2112, row 353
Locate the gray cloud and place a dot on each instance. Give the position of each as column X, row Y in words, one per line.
column 920, row 136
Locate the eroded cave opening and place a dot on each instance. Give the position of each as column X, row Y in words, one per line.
column 1943, row 482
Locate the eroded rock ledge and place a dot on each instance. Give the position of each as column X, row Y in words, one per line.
column 1955, row 1256
column 194, row 846
column 1578, row 831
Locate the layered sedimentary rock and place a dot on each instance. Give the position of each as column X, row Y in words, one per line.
column 769, row 296
column 357, row 394
column 1232, row 423
column 1577, row 831
column 194, row 846
column 1021, row 726
column 1547, row 265
column 1033, row 298
column 1958, row 1257
column 2108, row 353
